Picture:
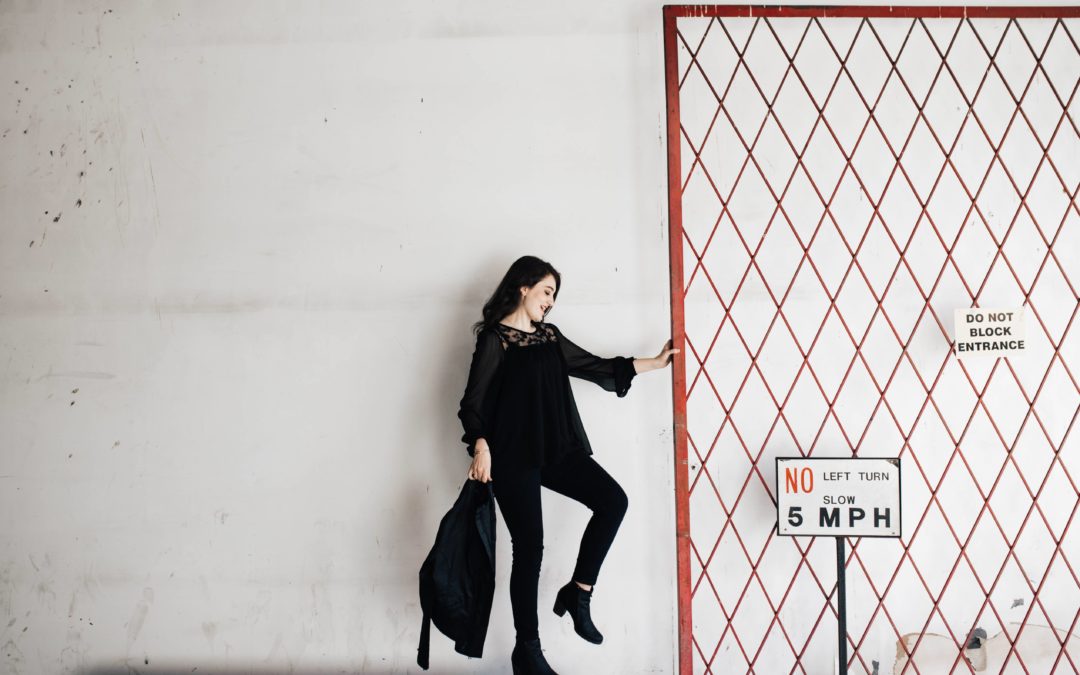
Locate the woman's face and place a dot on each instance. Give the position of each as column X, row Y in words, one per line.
column 538, row 300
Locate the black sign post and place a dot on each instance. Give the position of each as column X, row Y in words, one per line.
column 841, row 603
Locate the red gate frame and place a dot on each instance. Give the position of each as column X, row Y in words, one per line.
column 675, row 238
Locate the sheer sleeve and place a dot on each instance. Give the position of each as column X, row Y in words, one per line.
column 612, row 374
column 486, row 359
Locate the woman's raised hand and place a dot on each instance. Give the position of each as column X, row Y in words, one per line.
column 481, row 465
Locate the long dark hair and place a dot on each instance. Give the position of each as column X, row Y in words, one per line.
column 526, row 271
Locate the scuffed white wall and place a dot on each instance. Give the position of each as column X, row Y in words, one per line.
column 242, row 246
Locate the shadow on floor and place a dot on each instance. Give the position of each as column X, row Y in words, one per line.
column 468, row 667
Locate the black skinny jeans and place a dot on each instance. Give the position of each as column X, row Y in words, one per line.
column 517, row 491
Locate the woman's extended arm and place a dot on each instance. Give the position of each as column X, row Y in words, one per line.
column 612, row 374
column 486, row 359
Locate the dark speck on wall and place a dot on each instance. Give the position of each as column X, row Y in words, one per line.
column 57, row 218
column 78, row 203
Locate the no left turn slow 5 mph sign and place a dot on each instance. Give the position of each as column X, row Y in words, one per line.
column 838, row 497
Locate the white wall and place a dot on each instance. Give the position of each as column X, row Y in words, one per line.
column 229, row 395
column 228, row 420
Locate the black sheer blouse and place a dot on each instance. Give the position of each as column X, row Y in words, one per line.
column 519, row 398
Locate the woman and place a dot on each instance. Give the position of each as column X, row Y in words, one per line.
column 523, row 431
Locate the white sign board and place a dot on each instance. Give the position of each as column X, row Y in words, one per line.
column 988, row 332
column 838, row 497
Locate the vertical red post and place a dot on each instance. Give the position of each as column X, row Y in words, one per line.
column 675, row 241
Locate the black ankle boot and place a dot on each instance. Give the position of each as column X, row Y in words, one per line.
column 528, row 659
column 571, row 598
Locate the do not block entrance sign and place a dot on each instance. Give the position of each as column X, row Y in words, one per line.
column 838, row 497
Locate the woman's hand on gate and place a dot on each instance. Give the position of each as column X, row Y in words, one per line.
column 481, row 465
column 656, row 362
column 665, row 356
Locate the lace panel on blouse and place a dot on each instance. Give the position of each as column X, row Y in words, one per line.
column 512, row 336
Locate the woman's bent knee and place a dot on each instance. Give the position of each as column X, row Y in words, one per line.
column 619, row 503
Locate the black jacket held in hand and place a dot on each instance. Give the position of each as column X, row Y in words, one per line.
column 457, row 580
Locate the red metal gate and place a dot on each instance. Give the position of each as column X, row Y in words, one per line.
column 840, row 180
